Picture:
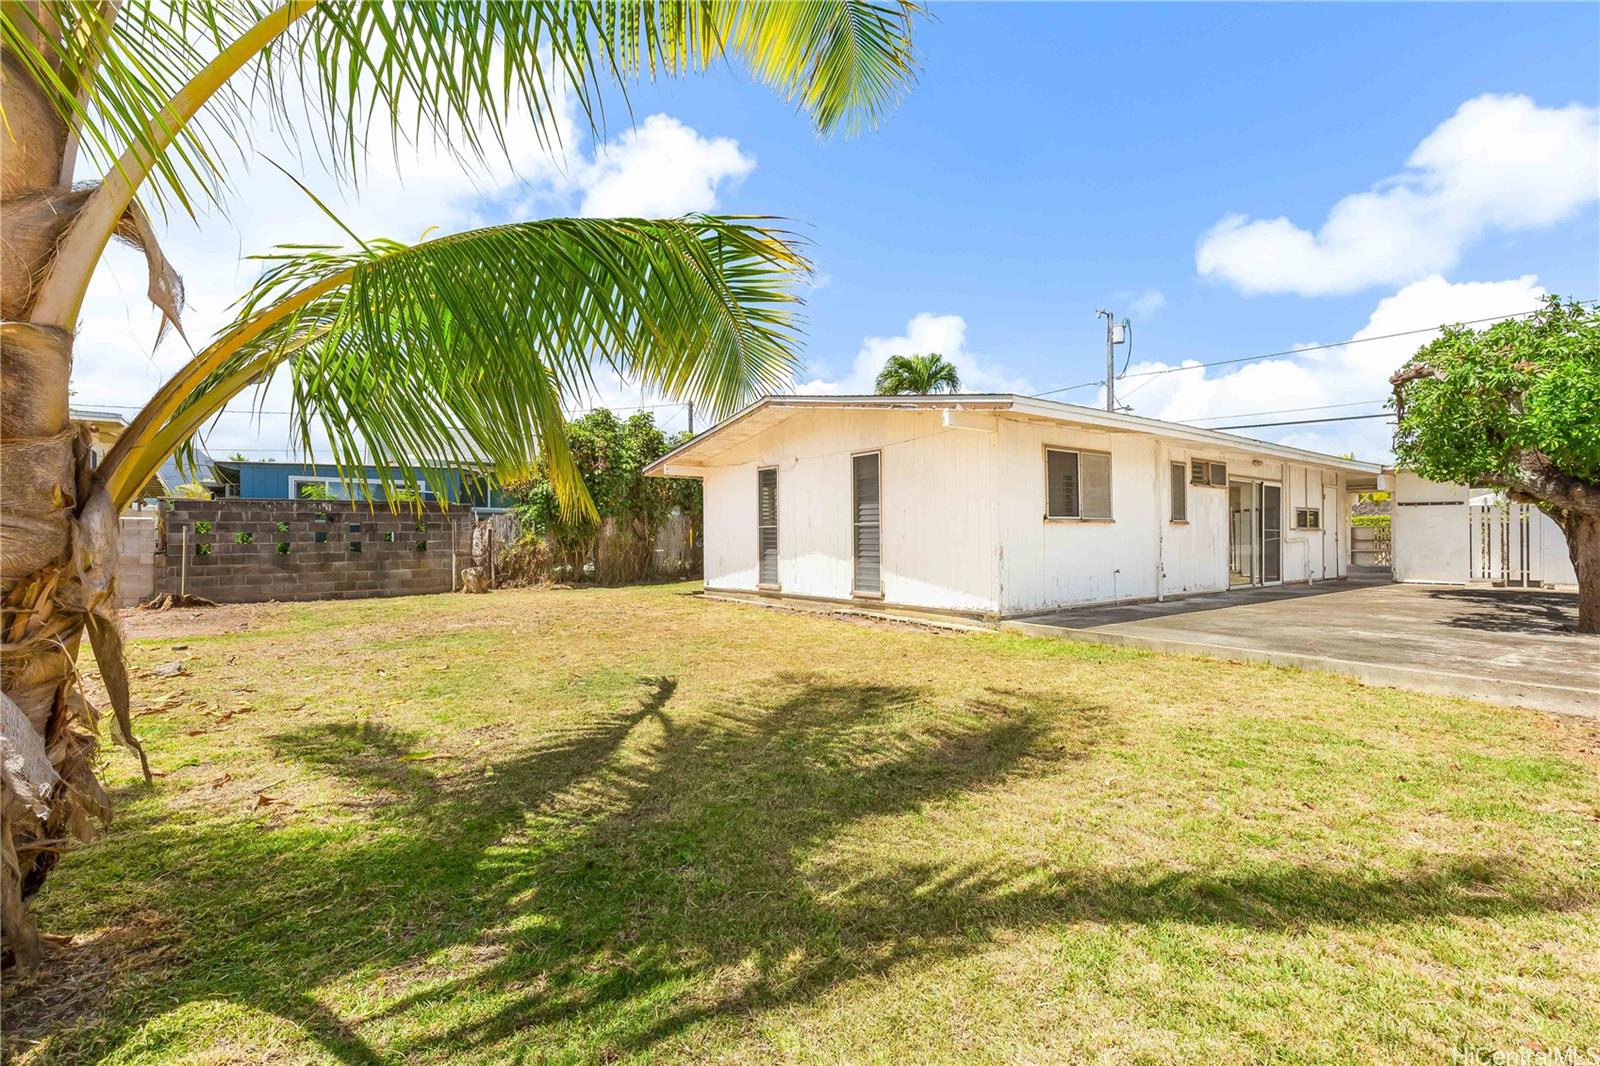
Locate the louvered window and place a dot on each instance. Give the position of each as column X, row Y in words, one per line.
column 1079, row 484
column 867, row 532
column 767, row 526
column 1180, row 493
column 1204, row 472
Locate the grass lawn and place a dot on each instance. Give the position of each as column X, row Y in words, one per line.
column 609, row 825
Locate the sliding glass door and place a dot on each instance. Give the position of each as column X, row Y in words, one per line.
column 1271, row 533
column 1255, row 533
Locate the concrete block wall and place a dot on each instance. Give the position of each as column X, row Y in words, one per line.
column 137, row 562
column 310, row 550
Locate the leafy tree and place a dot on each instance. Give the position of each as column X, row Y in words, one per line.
column 610, row 455
column 1515, row 406
column 191, row 490
column 315, row 490
column 401, row 353
column 920, row 374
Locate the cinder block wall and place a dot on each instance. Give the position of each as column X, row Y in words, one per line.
column 138, row 565
column 249, row 551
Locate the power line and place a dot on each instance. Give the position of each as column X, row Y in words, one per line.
column 1284, row 410
column 1303, row 421
column 1293, row 351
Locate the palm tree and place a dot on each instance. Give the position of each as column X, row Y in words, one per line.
column 462, row 347
column 919, row 374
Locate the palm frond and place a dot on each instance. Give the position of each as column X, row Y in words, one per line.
column 457, row 73
column 465, row 350
column 847, row 63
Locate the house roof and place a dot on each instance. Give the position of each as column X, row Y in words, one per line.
column 171, row 476
column 772, row 410
column 95, row 414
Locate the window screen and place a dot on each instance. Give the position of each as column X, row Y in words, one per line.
column 1308, row 518
column 1180, row 493
column 1219, row 475
column 1095, row 468
column 767, row 526
column 867, row 532
column 1079, row 484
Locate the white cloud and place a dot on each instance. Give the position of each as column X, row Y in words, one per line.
column 1347, row 374
column 945, row 334
column 1143, row 304
column 1499, row 163
column 659, row 169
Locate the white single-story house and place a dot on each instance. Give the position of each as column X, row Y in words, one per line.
column 1457, row 535
column 1004, row 505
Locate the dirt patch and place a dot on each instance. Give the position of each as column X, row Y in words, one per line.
column 206, row 622
column 72, row 985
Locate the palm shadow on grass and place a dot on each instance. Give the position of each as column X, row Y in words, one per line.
column 604, row 892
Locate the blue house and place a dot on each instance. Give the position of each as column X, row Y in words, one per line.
column 253, row 479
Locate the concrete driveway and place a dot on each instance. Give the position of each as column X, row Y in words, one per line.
column 1508, row 646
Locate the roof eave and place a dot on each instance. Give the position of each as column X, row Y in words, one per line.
column 1026, row 405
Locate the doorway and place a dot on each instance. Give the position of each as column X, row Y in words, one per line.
column 1255, row 533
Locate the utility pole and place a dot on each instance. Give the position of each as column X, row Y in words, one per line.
column 691, row 418
column 1111, row 361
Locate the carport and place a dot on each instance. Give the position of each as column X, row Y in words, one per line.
column 1509, row 646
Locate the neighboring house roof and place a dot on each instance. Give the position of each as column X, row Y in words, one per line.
column 95, row 414
column 771, row 410
column 171, row 477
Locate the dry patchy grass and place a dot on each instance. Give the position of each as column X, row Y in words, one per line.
column 604, row 825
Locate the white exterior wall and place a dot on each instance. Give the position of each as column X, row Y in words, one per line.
column 963, row 514
column 937, row 487
column 1141, row 552
column 1054, row 562
column 1428, row 530
column 1432, row 540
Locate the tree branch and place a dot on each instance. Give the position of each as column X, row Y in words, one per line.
column 1536, row 478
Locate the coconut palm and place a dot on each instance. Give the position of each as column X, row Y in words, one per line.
column 462, row 347
column 919, row 374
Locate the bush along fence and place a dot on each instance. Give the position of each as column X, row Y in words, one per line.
column 616, row 552
column 250, row 551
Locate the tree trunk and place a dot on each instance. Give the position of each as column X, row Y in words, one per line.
column 1583, row 545
column 51, row 583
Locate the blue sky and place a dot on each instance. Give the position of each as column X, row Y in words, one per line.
column 1056, row 158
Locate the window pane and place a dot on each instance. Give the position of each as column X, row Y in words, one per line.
column 867, row 541
column 1219, row 474
column 1096, row 478
column 1180, row 493
column 1197, row 471
column 1061, row 470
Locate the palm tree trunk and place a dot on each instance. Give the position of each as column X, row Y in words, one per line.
column 50, row 796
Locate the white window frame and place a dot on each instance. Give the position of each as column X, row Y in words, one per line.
column 375, row 490
column 775, row 585
column 1111, row 503
column 868, row 594
column 1210, row 468
column 1182, row 485
column 1300, row 513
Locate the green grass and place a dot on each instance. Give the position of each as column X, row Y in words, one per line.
column 616, row 825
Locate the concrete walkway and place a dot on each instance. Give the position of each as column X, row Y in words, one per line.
column 1510, row 646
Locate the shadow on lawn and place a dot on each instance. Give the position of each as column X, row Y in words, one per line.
column 614, row 896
